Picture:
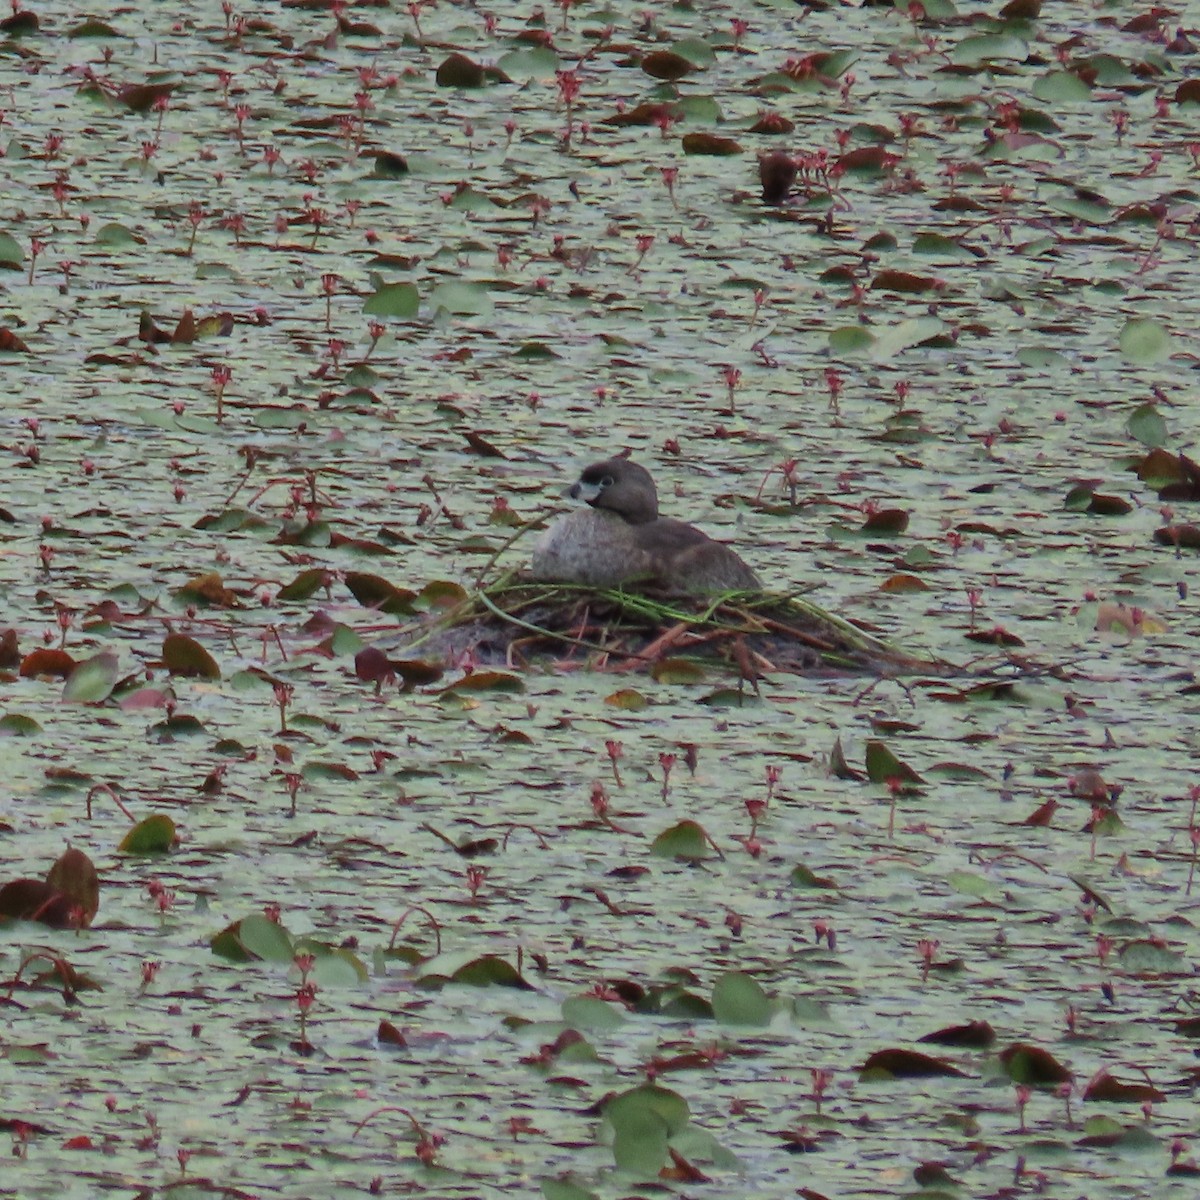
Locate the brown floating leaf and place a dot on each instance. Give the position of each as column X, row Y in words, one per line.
column 209, row 589
column 1104, row 1086
column 903, row 582
column 1108, row 506
column 10, row 343
column 340, row 541
column 1186, row 537
column 643, row 114
column 772, row 122
column 141, row 97
column 37, row 900
column 1191, row 473
column 535, row 36
column 459, row 71
column 388, row 1035
column 868, row 158
column 1021, row 10
column 10, row 652
column 905, row 282
column 906, row 1064
column 1175, row 476
column 886, row 520
column 976, row 1034
column 373, row 591
column 1043, row 814
column 331, row 770
column 1031, row 1064
column 666, row 64
column 149, row 332
column 22, row 22
column 776, row 173
column 997, row 636
column 959, row 204
column 681, row 1170
column 482, row 446
column 56, row 663
column 417, row 672
column 74, row 875
column 389, row 165
column 371, row 665
column 185, row 656
column 839, row 768
column 185, row 331
column 1188, row 91
column 486, row 681
column 358, row 28
column 710, row 144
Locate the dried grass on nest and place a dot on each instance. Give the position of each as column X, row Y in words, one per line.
column 517, row 620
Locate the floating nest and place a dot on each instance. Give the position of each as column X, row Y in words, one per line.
column 517, row 621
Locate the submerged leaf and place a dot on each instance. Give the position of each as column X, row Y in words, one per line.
column 1144, row 341
column 1146, row 424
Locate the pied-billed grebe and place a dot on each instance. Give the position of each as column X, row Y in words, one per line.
column 621, row 539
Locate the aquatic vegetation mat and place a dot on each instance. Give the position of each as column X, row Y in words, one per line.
column 304, row 303
column 519, row 621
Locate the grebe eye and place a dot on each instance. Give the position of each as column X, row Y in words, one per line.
column 607, row 481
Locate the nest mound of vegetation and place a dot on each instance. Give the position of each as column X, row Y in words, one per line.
column 517, row 622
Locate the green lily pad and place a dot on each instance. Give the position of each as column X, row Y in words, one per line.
column 93, row 680
column 400, row 300
column 154, row 835
column 1144, row 341
column 738, row 999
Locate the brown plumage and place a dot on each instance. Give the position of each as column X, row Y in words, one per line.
column 620, row 538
